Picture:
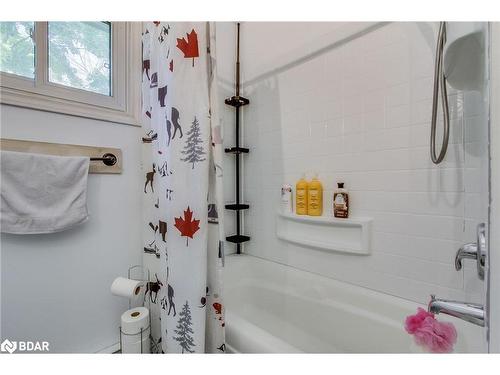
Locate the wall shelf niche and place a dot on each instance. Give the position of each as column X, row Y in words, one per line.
column 326, row 233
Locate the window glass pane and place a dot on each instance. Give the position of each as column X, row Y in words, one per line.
column 17, row 50
column 80, row 55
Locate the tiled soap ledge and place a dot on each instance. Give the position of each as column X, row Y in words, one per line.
column 327, row 233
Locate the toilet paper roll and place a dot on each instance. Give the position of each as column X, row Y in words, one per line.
column 132, row 289
column 132, row 343
column 134, row 319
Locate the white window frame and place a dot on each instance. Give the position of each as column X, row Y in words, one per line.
column 123, row 106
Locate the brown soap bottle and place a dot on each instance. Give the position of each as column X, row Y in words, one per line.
column 341, row 202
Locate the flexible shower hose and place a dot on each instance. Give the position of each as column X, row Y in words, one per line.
column 440, row 80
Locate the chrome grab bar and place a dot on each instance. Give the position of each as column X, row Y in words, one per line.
column 440, row 80
column 470, row 312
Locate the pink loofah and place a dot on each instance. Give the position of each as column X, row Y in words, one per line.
column 435, row 336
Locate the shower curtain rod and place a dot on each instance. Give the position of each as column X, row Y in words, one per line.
column 314, row 54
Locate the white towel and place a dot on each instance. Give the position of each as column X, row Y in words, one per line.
column 42, row 193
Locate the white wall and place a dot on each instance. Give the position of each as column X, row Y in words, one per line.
column 360, row 113
column 226, row 58
column 495, row 193
column 267, row 46
column 55, row 287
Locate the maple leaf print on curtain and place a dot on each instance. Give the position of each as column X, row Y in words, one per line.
column 194, row 145
column 190, row 46
column 187, row 226
column 177, row 129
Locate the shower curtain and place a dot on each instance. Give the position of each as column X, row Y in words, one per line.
column 183, row 232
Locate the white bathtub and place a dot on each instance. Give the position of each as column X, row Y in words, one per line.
column 272, row 308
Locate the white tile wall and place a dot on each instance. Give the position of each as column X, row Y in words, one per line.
column 225, row 36
column 494, row 259
column 361, row 114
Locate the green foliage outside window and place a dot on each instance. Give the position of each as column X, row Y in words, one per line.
column 17, row 50
column 79, row 53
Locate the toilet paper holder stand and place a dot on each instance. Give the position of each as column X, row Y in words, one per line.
column 134, row 334
column 145, row 272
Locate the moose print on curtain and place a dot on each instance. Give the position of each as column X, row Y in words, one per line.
column 182, row 187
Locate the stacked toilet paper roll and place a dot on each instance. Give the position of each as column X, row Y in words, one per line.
column 132, row 322
column 132, row 289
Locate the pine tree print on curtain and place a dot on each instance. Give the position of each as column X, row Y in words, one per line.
column 184, row 331
column 175, row 97
column 194, row 145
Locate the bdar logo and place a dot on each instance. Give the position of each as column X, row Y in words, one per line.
column 8, row 346
column 24, row 346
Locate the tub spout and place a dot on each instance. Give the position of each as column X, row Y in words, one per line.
column 470, row 312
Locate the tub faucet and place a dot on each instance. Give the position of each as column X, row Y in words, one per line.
column 467, row 251
column 475, row 251
column 470, row 312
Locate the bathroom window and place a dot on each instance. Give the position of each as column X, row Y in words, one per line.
column 89, row 69
column 79, row 55
column 17, row 48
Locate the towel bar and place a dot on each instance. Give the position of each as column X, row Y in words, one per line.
column 111, row 158
column 108, row 159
